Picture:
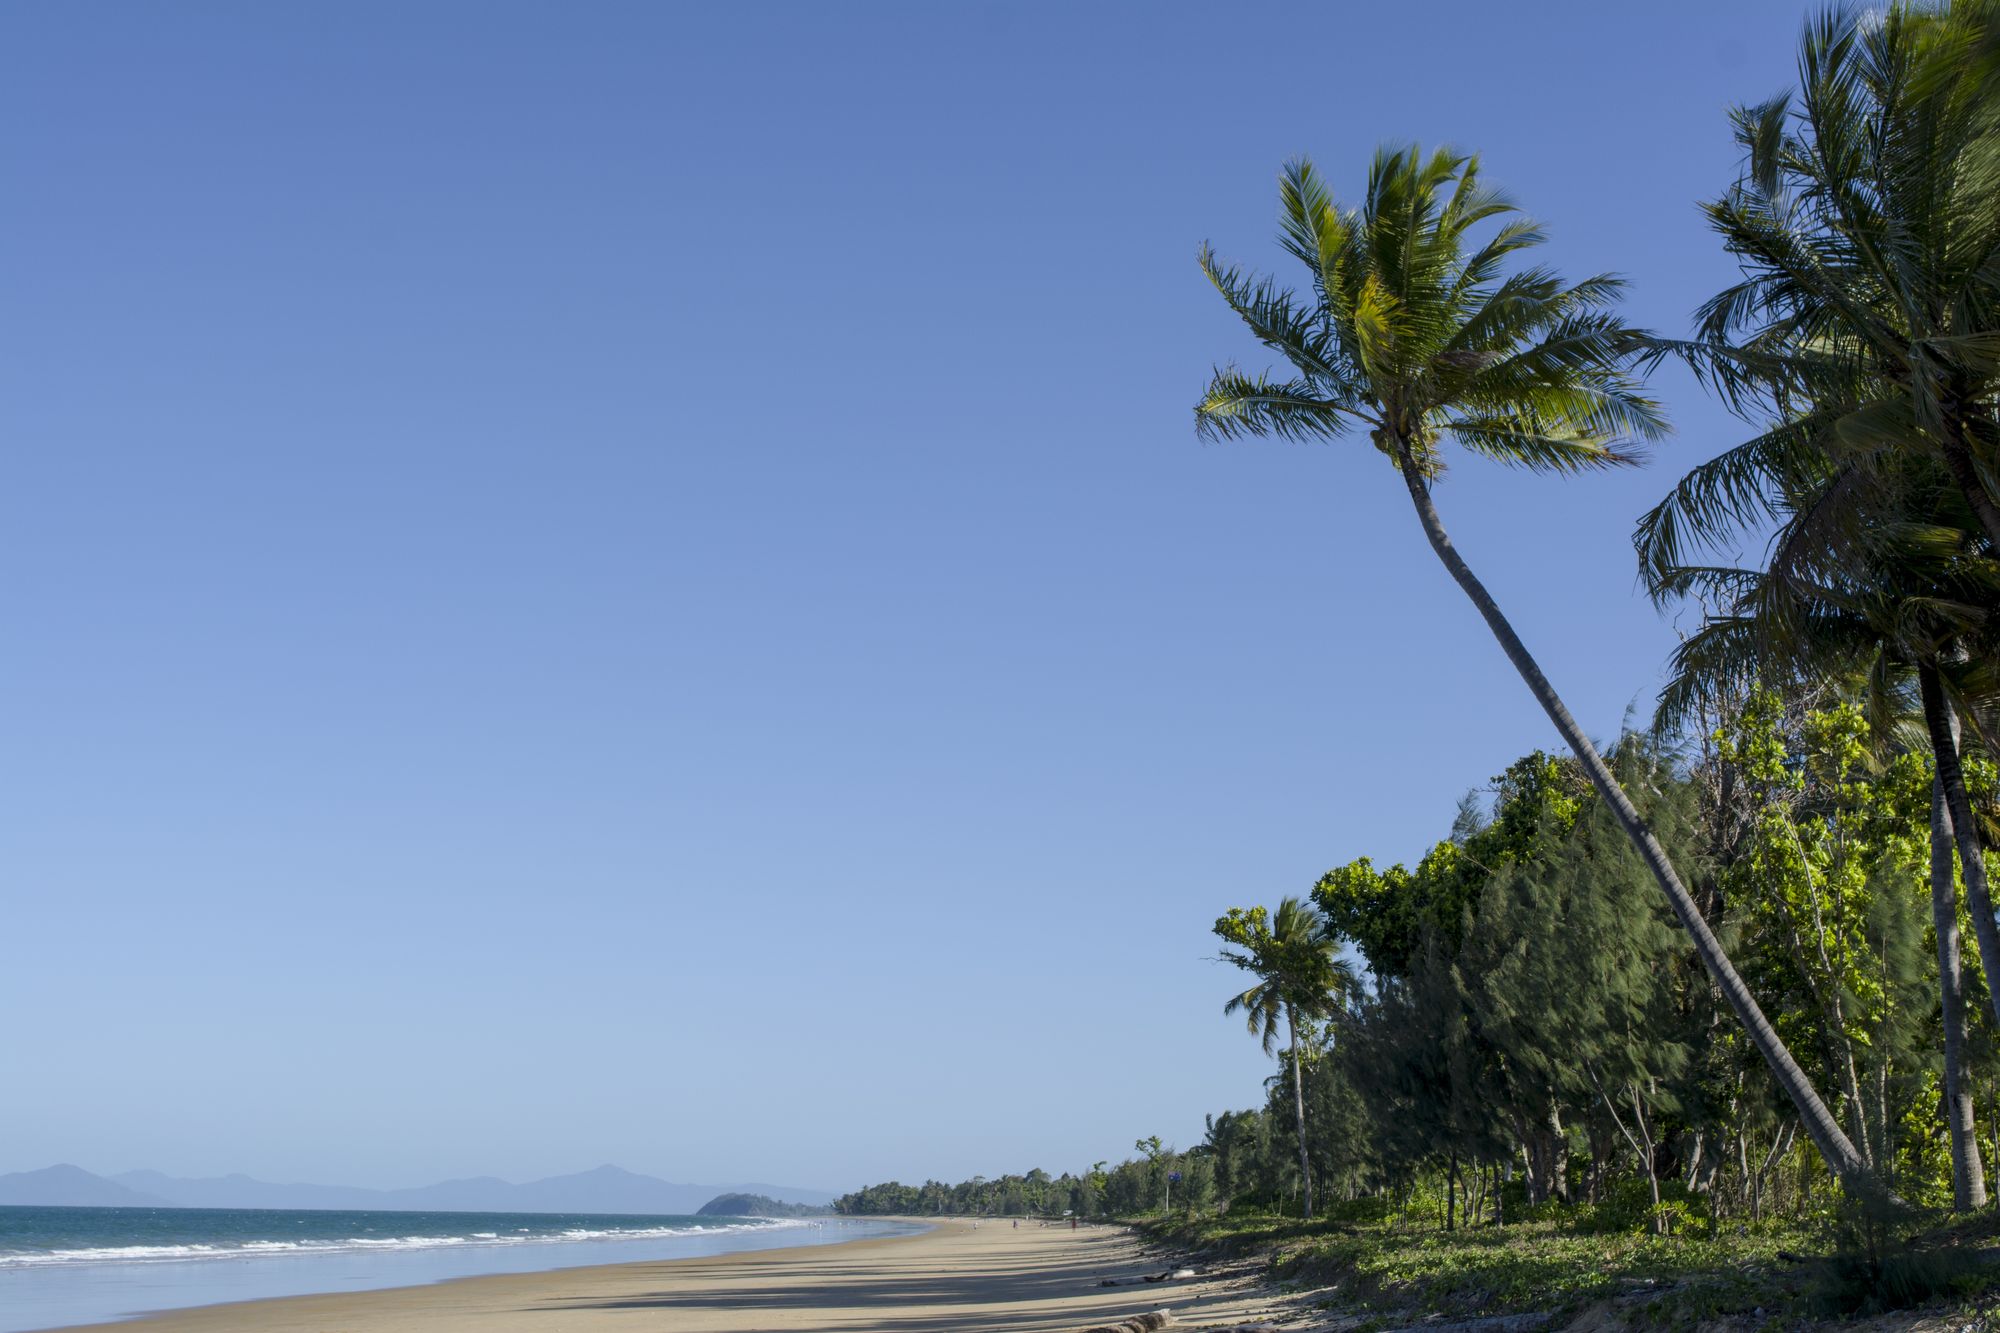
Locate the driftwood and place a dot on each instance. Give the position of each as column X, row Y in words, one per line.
column 1173, row 1275
column 1138, row 1323
column 1499, row 1323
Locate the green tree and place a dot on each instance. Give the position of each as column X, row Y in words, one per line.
column 1386, row 913
column 1300, row 977
column 1236, row 1142
column 1867, row 224
column 1414, row 336
column 1567, row 966
column 1876, row 572
column 1866, row 325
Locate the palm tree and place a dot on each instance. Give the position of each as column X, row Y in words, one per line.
column 1867, row 324
column 1300, row 977
column 1867, row 224
column 1411, row 337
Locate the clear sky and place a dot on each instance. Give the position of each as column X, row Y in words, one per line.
column 634, row 583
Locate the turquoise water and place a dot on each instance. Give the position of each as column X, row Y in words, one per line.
column 61, row 1267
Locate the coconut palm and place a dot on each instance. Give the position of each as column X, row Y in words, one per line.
column 1867, row 326
column 1867, row 225
column 1300, row 978
column 1415, row 335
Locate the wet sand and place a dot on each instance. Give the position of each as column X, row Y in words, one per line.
column 954, row 1278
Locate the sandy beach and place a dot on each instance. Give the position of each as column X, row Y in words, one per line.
column 952, row 1279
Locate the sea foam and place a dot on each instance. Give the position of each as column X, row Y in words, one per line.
column 242, row 1249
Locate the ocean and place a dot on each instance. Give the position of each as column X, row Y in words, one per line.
column 66, row 1266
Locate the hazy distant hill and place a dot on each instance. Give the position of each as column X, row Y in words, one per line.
column 240, row 1191
column 67, row 1186
column 608, row 1189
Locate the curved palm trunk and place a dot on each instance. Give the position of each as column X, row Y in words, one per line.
column 1834, row 1147
column 1943, row 726
column 1968, row 1179
column 1299, row 1111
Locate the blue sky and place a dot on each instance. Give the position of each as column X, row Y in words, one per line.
column 632, row 583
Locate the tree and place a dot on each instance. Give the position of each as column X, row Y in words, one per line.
column 1850, row 594
column 1414, row 338
column 1385, row 913
column 1968, row 1177
column 1877, row 571
column 1299, row 977
column 1567, row 969
column 1867, row 319
column 1867, row 222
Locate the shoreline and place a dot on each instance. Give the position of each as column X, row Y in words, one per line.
column 979, row 1279
column 112, row 1291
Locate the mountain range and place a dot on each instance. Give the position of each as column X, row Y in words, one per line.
column 608, row 1189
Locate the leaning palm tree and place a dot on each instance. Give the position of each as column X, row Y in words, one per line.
column 1300, row 978
column 1414, row 335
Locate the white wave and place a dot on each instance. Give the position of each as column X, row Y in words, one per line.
column 121, row 1254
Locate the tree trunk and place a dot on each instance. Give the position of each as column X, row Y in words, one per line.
column 1299, row 1113
column 1652, row 1167
column 1642, row 1151
column 1968, row 1179
column 1558, row 1156
column 1840, row 1155
column 1840, row 1046
column 1451, row 1193
column 1943, row 725
column 1958, row 462
column 1694, row 1160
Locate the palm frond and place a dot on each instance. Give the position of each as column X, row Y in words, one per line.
column 1236, row 405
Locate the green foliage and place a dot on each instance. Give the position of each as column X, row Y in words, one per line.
column 1394, row 1275
column 1387, row 913
column 1831, row 882
column 1035, row 1193
column 1299, row 973
column 1414, row 330
column 755, row 1205
column 1881, row 1260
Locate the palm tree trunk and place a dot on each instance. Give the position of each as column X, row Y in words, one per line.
column 1834, row 1147
column 1958, row 462
column 1968, row 1179
column 1943, row 725
column 1299, row 1112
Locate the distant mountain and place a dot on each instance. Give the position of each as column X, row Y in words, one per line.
column 757, row 1205
column 240, row 1191
column 608, row 1189
column 67, row 1186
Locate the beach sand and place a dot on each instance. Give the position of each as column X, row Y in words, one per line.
column 952, row 1279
